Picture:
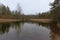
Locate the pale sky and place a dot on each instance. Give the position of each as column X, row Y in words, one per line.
column 28, row 6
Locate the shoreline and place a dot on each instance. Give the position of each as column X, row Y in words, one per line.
column 9, row 20
column 41, row 20
column 31, row 20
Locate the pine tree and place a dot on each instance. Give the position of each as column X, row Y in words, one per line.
column 55, row 10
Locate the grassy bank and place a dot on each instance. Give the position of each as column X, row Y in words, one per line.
column 41, row 20
column 31, row 20
column 9, row 20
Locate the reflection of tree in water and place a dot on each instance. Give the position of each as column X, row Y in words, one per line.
column 43, row 24
column 55, row 32
column 4, row 27
column 18, row 27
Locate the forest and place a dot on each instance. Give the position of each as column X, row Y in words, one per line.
column 53, row 13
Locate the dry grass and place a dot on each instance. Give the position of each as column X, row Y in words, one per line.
column 9, row 20
column 41, row 20
column 34, row 20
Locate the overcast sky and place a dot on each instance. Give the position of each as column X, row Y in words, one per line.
column 28, row 6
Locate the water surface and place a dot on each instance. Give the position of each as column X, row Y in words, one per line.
column 28, row 31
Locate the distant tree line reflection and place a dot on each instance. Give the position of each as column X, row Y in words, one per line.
column 5, row 27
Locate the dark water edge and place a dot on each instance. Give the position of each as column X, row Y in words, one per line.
column 29, row 31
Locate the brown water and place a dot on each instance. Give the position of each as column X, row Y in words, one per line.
column 28, row 31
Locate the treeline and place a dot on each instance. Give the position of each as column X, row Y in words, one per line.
column 54, row 13
column 5, row 12
column 55, row 10
column 46, row 15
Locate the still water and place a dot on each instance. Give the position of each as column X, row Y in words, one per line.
column 28, row 31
